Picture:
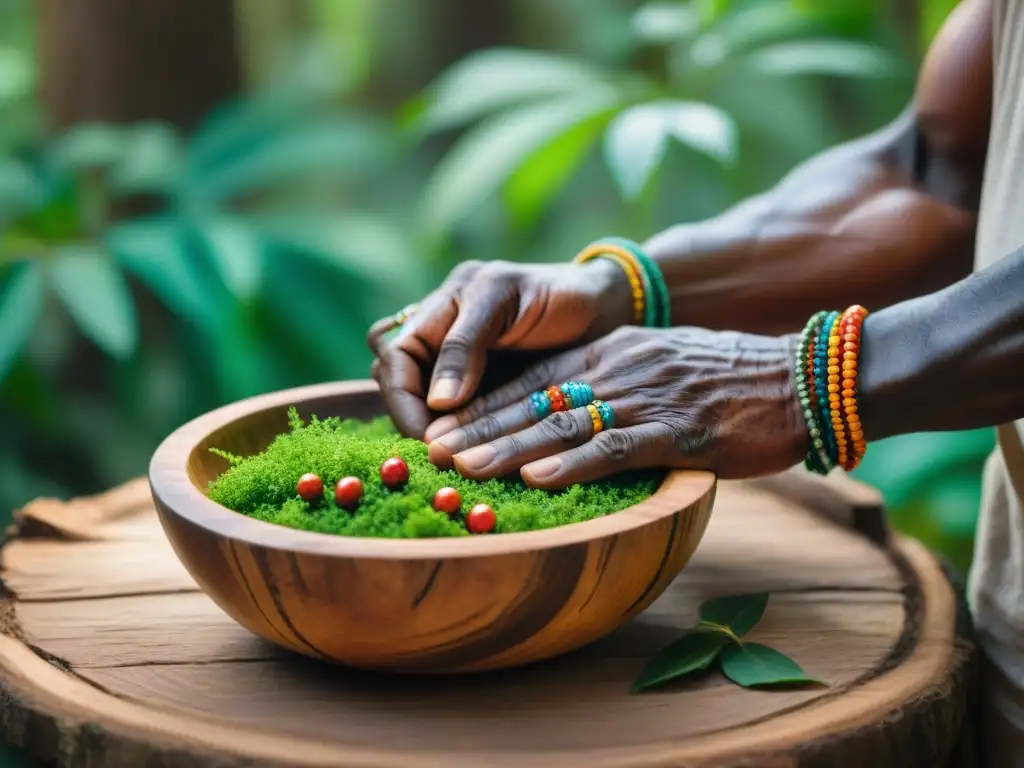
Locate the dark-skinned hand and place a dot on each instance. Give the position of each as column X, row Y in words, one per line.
column 482, row 307
column 682, row 398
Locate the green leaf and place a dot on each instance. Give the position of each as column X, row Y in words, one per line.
column 89, row 145
column 634, row 147
column 486, row 156
column 636, row 140
column 20, row 189
column 752, row 665
column 749, row 27
column 345, row 145
column 536, row 182
column 739, row 613
column 235, row 251
column 96, row 295
column 665, row 22
column 151, row 161
column 21, row 300
column 840, row 58
column 702, row 127
column 362, row 245
column 499, row 78
column 153, row 251
column 694, row 651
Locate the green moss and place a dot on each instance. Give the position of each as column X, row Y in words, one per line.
column 263, row 486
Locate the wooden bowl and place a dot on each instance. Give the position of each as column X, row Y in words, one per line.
column 413, row 605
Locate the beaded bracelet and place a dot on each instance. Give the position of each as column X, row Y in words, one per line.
column 835, row 405
column 822, row 379
column 663, row 315
column 850, row 326
column 643, row 309
column 817, row 459
column 657, row 310
column 826, row 377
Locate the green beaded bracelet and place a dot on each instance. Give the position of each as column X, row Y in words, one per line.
column 654, row 276
column 817, row 459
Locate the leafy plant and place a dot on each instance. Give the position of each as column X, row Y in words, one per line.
column 724, row 621
column 265, row 272
column 536, row 116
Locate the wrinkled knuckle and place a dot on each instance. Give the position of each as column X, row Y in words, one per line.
column 456, row 348
column 615, row 445
column 472, row 412
column 692, row 438
column 486, row 428
column 561, row 426
column 510, row 446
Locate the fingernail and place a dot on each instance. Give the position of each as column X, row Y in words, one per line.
column 477, row 458
column 444, row 448
column 544, row 467
column 445, row 389
column 439, row 455
column 442, row 426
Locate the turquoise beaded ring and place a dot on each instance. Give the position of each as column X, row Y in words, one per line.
column 574, row 394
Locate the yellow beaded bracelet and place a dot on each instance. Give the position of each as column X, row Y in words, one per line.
column 834, row 388
column 630, row 266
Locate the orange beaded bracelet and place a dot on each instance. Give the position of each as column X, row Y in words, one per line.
column 850, row 327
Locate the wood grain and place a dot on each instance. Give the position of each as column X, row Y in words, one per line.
column 427, row 605
column 128, row 677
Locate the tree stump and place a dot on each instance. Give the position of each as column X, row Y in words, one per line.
column 110, row 655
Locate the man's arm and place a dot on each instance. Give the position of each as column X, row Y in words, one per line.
column 951, row 360
column 873, row 222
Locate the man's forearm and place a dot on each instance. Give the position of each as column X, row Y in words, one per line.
column 849, row 226
column 950, row 360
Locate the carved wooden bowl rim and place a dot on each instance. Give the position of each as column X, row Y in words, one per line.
column 173, row 487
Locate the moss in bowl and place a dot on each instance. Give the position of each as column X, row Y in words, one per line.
column 263, row 486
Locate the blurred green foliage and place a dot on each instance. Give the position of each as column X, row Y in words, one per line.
column 146, row 277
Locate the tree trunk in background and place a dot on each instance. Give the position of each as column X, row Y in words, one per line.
column 124, row 61
column 464, row 26
column 128, row 60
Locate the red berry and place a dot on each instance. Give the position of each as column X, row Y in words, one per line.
column 310, row 487
column 447, row 500
column 348, row 492
column 481, row 519
column 394, row 472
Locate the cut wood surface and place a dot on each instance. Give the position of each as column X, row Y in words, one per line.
column 112, row 656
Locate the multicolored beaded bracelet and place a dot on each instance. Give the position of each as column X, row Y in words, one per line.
column 661, row 299
column 595, row 417
column 643, row 309
column 826, row 379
